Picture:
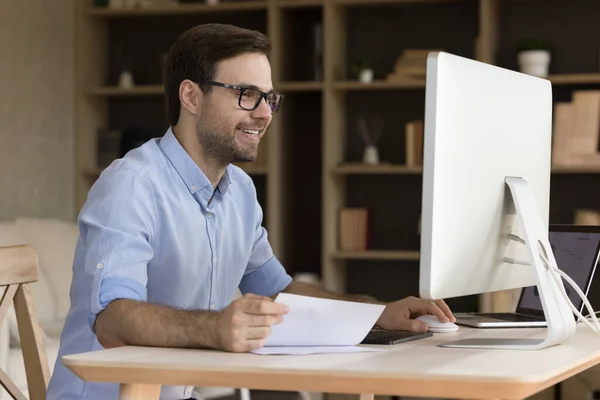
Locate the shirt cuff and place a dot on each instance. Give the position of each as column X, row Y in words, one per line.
column 109, row 289
column 268, row 280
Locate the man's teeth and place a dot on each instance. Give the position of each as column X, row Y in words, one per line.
column 250, row 131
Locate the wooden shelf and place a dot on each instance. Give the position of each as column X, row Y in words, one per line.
column 377, row 255
column 92, row 173
column 254, row 169
column 380, row 85
column 300, row 86
column 385, row 2
column 258, row 170
column 299, row 3
column 140, row 90
column 566, row 79
column 576, row 169
column 382, row 169
column 392, row 169
column 182, row 9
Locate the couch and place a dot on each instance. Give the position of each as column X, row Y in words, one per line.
column 55, row 242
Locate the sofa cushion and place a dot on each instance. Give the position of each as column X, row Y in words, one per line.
column 55, row 242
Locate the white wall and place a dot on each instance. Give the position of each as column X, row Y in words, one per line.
column 37, row 161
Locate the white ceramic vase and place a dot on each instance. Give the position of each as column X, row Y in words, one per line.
column 366, row 76
column 534, row 62
column 126, row 80
column 371, row 155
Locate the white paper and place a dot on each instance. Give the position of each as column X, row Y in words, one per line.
column 313, row 321
column 313, row 349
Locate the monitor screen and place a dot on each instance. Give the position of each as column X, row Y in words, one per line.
column 576, row 254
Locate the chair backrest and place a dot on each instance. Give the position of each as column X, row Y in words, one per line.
column 18, row 268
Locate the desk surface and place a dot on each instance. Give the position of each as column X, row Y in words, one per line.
column 418, row 368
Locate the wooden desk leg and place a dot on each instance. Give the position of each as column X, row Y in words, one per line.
column 365, row 396
column 135, row 391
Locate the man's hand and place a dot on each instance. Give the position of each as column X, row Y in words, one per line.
column 245, row 324
column 400, row 314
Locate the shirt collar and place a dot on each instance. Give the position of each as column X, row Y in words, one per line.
column 195, row 180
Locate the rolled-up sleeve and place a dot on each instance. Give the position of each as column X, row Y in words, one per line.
column 116, row 226
column 264, row 274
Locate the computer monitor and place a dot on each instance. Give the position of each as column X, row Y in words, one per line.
column 486, row 190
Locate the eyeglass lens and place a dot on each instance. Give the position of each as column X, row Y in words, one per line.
column 251, row 98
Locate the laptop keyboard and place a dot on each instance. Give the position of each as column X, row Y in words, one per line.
column 510, row 317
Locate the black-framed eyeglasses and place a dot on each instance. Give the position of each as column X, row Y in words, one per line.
column 250, row 97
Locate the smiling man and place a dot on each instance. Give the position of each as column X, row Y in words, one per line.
column 169, row 232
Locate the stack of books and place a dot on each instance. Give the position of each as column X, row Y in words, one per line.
column 412, row 64
column 576, row 128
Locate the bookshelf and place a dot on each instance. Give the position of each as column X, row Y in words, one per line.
column 313, row 153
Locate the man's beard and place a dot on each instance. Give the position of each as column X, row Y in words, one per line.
column 219, row 145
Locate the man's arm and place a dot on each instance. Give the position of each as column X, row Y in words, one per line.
column 129, row 322
column 243, row 326
column 306, row 289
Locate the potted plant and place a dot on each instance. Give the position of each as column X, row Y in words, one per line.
column 363, row 71
column 534, row 57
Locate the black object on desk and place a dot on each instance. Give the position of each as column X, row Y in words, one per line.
column 382, row 336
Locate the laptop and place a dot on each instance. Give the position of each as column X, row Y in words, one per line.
column 576, row 249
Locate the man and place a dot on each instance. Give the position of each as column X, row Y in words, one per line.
column 172, row 230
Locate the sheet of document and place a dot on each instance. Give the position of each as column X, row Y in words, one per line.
column 312, row 350
column 313, row 321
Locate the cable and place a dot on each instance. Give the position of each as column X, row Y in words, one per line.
column 561, row 274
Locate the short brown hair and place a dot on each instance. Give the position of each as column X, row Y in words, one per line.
column 196, row 52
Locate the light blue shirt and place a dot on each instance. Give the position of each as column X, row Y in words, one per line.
column 148, row 233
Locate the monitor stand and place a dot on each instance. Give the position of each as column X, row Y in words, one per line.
column 559, row 316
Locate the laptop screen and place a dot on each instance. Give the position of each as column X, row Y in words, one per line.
column 576, row 253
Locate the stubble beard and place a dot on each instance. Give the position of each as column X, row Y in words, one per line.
column 219, row 145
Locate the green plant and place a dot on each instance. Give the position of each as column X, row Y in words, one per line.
column 360, row 66
column 526, row 44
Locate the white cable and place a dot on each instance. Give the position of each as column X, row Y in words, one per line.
column 554, row 271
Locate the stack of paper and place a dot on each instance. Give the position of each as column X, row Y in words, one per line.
column 315, row 325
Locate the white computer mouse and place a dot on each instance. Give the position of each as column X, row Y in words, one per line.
column 436, row 326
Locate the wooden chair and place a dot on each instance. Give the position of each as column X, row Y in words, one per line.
column 19, row 267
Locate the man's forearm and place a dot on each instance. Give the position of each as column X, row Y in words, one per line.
column 315, row 291
column 128, row 322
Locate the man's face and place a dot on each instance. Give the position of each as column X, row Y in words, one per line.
column 228, row 133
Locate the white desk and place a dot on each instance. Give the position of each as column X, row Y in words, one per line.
column 418, row 368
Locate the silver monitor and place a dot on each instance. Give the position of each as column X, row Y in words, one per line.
column 486, row 189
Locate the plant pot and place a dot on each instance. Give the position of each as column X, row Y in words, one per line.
column 126, row 80
column 371, row 155
column 534, row 62
column 366, row 76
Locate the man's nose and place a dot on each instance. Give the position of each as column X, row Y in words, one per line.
column 263, row 110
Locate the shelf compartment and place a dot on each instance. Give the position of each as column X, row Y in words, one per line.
column 257, row 170
column 407, row 255
column 381, row 169
column 574, row 79
column 182, row 9
column 139, row 90
column 387, row 2
column 380, row 85
column 299, row 3
column 300, row 86
column 392, row 169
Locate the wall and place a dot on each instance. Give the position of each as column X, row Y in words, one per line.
column 37, row 162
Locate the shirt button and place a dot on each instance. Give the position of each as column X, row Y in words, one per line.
column 214, row 259
column 193, row 188
column 209, row 214
column 212, row 306
column 100, row 266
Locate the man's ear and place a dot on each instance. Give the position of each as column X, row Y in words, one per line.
column 190, row 96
